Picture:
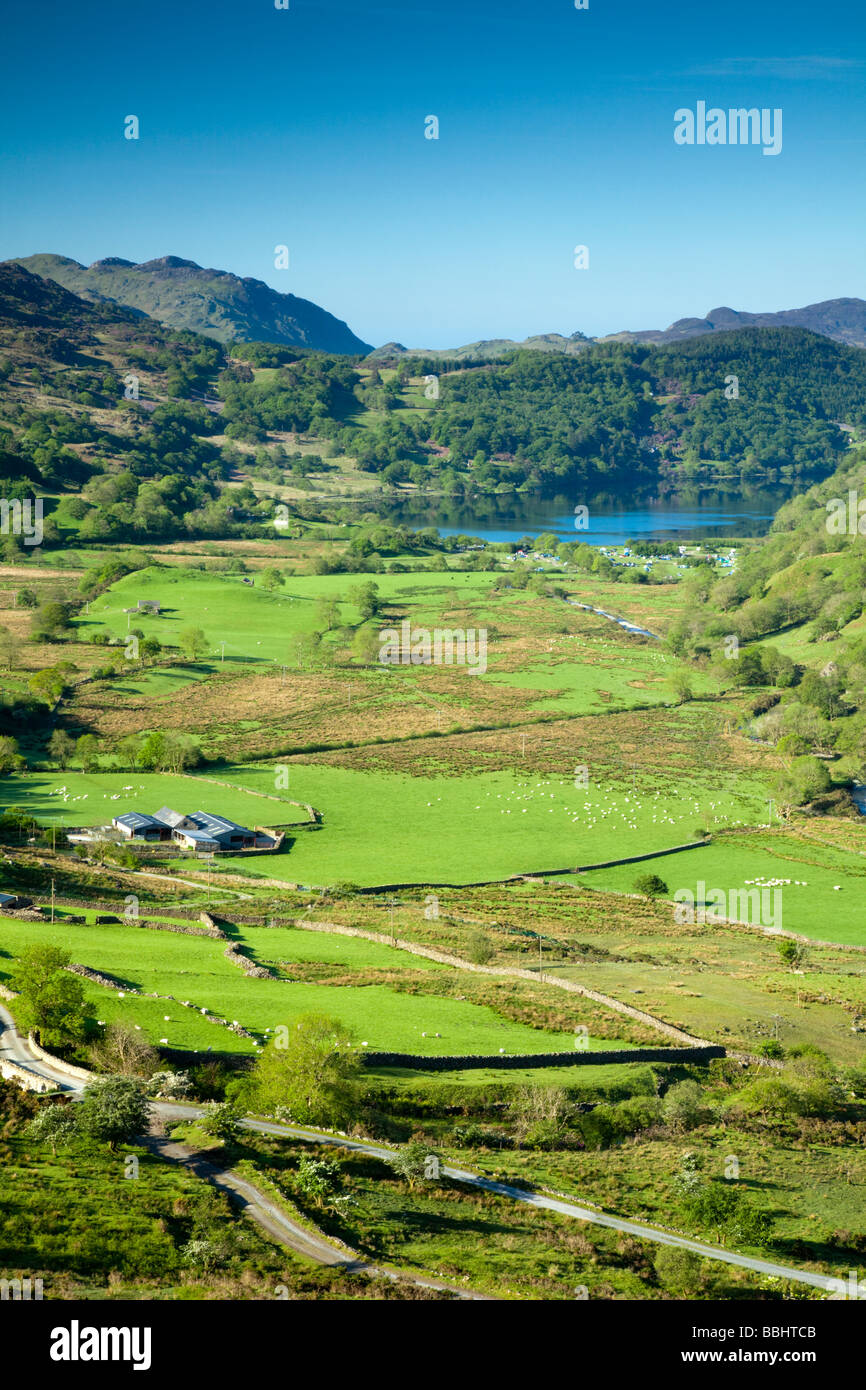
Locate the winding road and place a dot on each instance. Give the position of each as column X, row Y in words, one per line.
column 272, row 1218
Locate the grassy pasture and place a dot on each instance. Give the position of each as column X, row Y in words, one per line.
column 195, row 969
column 78, row 798
column 255, row 625
column 381, row 827
column 813, row 907
column 598, row 673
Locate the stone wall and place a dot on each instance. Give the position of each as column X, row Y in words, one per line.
column 577, row 1058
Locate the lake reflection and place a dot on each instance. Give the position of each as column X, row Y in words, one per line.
column 686, row 515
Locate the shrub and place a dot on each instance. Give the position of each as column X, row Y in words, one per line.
column 650, row 886
column 678, row 1270
column 478, row 949
column 170, row 1085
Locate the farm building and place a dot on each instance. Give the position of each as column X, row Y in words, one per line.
column 200, row 830
column 145, row 605
column 136, row 826
column 10, row 902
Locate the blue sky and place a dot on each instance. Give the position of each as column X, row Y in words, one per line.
column 305, row 127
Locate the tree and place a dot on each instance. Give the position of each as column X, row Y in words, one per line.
column 55, row 1124
column 51, row 1002
column 792, row 952
column 128, row 749
column 771, row 1097
column 806, row 779
column 9, row 649
column 539, row 1113
column 10, row 759
column 318, row 1179
column 725, row 1213
column 153, row 751
column 87, row 752
column 681, row 685
column 479, row 948
column 678, row 1270
column 170, row 1085
column 272, row 578
column 366, row 599
column 114, row 1110
column 327, row 614
column 50, row 683
column 221, row 1121
column 650, row 886
column 167, row 751
column 310, row 1072
column 366, row 645
column 414, row 1161
column 193, row 642
column 123, row 1051
column 61, row 746
column 684, row 1106
column 50, row 622
column 689, row 1178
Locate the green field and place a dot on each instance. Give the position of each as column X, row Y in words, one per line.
column 380, row 828
column 194, row 969
column 813, row 907
column 621, row 677
column 89, row 799
column 254, row 625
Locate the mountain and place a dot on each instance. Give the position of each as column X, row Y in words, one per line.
column 843, row 320
column 183, row 295
column 487, row 347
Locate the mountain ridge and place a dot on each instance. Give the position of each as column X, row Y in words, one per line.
column 181, row 294
column 843, row 320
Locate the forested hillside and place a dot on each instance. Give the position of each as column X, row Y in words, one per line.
column 791, row 618
column 144, row 425
column 758, row 402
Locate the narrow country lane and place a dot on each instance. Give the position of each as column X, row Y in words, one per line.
column 13, row 1046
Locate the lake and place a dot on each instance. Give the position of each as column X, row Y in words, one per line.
column 688, row 515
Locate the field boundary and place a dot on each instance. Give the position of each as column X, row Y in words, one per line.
column 577, row 1058
column 511, row 972
column 539, row 873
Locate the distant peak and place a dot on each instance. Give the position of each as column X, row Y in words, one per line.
column 168, row 263
column 109, row 261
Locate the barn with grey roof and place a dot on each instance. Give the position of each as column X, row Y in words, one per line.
column 199, row 830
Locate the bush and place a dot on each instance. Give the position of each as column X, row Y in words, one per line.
column 651, row 886
column 684, row 1106
column 478, row 949
column 114, row 1110
column 678, row 1270
column 170, row 1085
column 220, row 1121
